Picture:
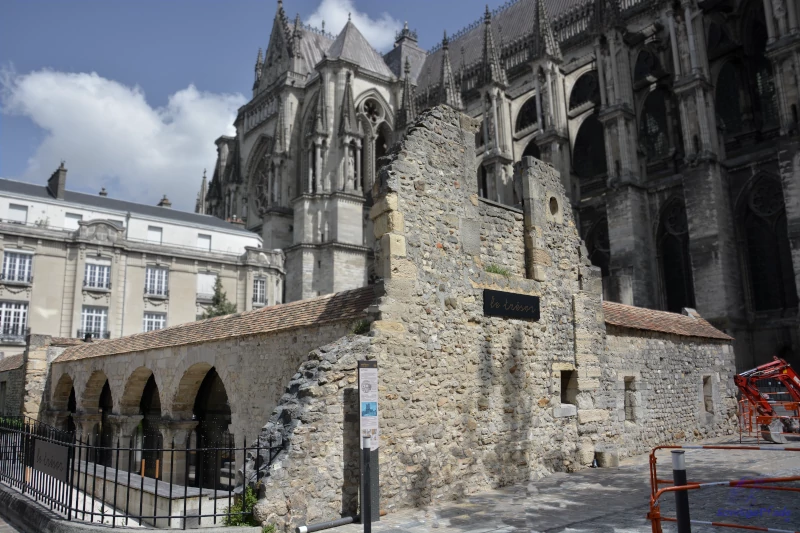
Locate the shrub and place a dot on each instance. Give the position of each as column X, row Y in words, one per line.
column 241, row 512
column 361, row 327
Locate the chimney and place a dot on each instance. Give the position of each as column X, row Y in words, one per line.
column 103, row 192
column 165, row 202
column 57, row 183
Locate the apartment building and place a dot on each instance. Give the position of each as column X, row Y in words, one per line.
column 76, row 264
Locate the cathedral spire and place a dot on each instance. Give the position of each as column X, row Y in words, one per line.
column 321, row 110
column 200, row 204
column 259, row 67
column 493, row 71
column 348, row 124
column 449, row 91
column 408, row 110
column 545, row 43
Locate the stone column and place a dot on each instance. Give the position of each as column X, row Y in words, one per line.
column 358, row 167
column 690, row 37
column 318, row 165
column 538, row 99
column 124, row 427
column 84, row 426
column 176, row 439
column 770, row 20
column 310, row 171
column 676, row 59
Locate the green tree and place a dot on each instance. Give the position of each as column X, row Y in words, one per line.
column 219, row 303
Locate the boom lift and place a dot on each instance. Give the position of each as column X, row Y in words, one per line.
column 773, row 426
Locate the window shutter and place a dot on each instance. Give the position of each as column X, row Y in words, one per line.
column 18, row 213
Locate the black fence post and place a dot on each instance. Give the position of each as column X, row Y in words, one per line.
column 366, row 512
column 681, row 496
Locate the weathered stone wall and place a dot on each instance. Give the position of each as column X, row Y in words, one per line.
column 502, row 241
column 666, row 399
column 470, row 402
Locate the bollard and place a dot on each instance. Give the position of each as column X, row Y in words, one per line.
column 366, row 512
column 681, row 496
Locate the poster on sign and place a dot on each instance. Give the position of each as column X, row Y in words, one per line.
column 368, row 401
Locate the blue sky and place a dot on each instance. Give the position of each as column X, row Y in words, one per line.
column 131, row 93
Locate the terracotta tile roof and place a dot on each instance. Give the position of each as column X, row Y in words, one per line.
column 626, row 316
column 347, row 305
column 11, row 363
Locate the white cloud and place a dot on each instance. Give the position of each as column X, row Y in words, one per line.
column 379, row 32
column 111, row 137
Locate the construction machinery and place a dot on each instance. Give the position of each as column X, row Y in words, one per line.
column 774, row 425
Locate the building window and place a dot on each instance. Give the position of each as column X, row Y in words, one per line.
column 154, row 321
column 569, row 387
column 154, row 234
column 527, row 116
column 71, row 220
column 653, row 126
column 94, row 323
column 97, row 274
column 586, row 90
column 13, row 320
column 17, row 267
column 589, row 154
column 204, row 242
column 729, row 100
column 260, row 291
column 156, row 281
column 630, row 400
column 18, row 214
column 205, row 285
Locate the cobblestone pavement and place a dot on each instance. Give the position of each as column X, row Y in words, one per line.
column 616, row 500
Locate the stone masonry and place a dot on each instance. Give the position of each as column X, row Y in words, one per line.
column 467, row 401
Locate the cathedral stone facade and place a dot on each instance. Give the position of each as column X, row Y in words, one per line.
column 673, row 126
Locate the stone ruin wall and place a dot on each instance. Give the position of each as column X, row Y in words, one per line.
column 502, row 237
column 470, row 402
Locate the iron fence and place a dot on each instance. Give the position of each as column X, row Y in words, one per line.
column 176, row 486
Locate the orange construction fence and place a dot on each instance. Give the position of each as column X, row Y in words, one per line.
column 654, row 515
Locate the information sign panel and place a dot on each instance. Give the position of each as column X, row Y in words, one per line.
column 368, row 402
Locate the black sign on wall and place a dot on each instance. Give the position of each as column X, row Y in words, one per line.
column 51, row 459
column 510, row 304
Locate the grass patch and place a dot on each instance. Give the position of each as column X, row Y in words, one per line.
column 242, row 510
column 361, row 327
column 495, row 269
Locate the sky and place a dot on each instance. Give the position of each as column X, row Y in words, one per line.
column 132, row 93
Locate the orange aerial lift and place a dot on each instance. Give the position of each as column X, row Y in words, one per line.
column 774, row 427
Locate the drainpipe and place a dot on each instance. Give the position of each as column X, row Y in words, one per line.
column 326, row 525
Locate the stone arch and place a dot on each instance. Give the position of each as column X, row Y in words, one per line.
column 647, row 67
column 674, row 260
column 527, row 115
column 764, row 245
column 186, row 391
column 585, row 90
column 90, row 399
column 388, row 116
column 589, row 151
column 654, row 125
column 61, row 392
column 532, row 149
column 132, row 393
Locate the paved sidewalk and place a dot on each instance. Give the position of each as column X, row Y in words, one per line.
column 616, row 500
column 5, row 527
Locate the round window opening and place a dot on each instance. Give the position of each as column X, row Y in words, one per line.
column 553, row 206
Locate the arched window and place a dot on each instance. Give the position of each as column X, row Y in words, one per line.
column 728, row 100
column 647, row 67
column 674, row 259
column 763, row 81
column 532, row 150
column 766, row 243
column 653, row 129
column 527, row 116
column 718, row 40
column 587, row 89
column 589, row 154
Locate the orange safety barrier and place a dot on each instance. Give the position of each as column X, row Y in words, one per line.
column 654, row 515
column 751, row 422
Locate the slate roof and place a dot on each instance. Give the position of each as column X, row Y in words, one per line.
column 11, row 363
column 626, row 316
column 104, row 202
column 313, row 45
column 352, row 46
column 347, row 305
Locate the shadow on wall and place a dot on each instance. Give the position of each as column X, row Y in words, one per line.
column 351, row 459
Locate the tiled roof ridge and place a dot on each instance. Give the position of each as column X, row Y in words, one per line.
column 345, row 305
column 471, row 26
column 641, row 318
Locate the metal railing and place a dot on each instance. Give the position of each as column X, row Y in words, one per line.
column 16, row 278
column 175, row 486
column 152, row 292
column 97, row 285
column 82, row 333
column 13, row 332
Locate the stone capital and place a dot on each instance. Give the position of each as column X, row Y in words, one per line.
column 176, row 431
column 84, row 422
column 124, row 425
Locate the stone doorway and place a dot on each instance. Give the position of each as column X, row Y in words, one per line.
column 213, row 463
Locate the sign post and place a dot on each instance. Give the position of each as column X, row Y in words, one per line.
column 369, row 439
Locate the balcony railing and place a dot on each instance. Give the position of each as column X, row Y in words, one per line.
column 5, row 277
column 259, row 301
column 204, row 297
column 13, row 333
column 152, row 292
column 97, row 285
column 93, row 334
